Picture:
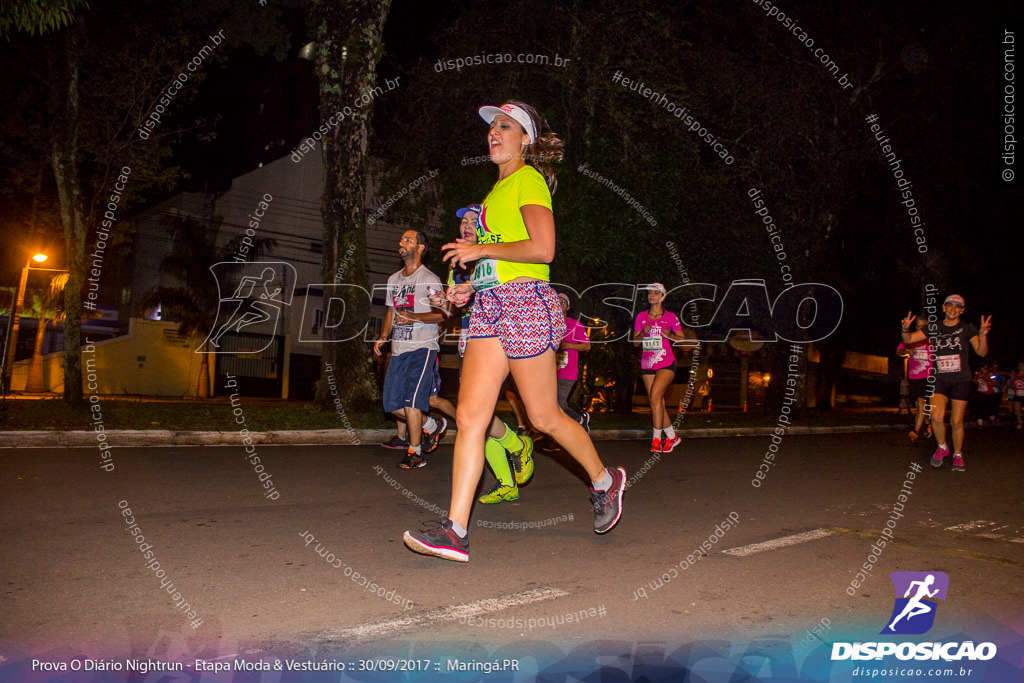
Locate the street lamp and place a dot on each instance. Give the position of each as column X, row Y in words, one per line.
column 14, row 323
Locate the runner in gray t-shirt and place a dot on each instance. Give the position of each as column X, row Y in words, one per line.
column 411, row 324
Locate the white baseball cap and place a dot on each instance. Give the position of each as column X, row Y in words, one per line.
column 518, row 114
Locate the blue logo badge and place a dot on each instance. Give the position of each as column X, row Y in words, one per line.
column 916, row 594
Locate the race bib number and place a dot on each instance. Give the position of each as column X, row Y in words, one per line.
column 949, row 363
column 652, row 344
column 485, row 275
column 562, row 358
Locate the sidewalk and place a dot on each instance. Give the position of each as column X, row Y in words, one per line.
column 354, row 437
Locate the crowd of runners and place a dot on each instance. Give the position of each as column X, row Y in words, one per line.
column 517, row 339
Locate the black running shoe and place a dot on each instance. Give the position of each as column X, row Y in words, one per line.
column 396, row 443
column 439, row 541
column 585, row 421
column 608, row 504
column 433, row 439
column 412, row 461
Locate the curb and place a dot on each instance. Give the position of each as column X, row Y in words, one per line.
column 127, row 438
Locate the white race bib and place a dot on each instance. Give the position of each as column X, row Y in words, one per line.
column 949, row 363
column 652, row 343
column 485, row 275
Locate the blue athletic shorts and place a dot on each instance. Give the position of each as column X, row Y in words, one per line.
column 409, row 380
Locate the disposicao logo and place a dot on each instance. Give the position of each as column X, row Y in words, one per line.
column 913, row 613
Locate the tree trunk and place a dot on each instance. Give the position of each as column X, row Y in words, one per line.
column 65, row 170
column 348, row 47
column 35, row 368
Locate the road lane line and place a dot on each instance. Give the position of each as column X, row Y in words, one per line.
column 446, row 614
column 777, row 543
column 968, row 527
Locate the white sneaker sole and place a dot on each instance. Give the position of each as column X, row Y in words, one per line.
column 446, row 553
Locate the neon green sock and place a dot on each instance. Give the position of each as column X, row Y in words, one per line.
column 498, row 460
column 510, row 441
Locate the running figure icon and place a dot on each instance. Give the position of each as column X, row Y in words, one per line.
column 916, row 606
column 917, row 595
column 251, row 298
column 251, row 310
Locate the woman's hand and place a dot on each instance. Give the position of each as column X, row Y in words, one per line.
column 461, row 252
column 460, row 294
column 908, row 320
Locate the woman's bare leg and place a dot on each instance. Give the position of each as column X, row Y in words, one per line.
column 483, row 371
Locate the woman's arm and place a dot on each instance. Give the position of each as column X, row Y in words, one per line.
column 681, row 336
column 638, row 335
column 539, row 247
column 980, row 340
column 911, row 337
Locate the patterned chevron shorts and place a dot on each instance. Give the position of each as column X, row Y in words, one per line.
column 525, row 317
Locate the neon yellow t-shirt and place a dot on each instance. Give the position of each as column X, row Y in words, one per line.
column 501, row 220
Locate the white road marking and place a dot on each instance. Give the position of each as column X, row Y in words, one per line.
column 447, row 614
column 970, row 526
column 777, row 543
column 987, row 529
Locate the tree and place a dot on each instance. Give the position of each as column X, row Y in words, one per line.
column 36, row 17
column 99, row 83
column 348, row 47
column 46, row 308
column 194, row 303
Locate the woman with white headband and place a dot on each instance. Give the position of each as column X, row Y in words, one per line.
column 516, row 324
column 654, row 331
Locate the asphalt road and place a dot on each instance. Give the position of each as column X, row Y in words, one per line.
column 74, row 580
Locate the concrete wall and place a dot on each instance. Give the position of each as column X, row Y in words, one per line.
column 151, row 360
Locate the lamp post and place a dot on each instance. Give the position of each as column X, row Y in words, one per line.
column 14, row 323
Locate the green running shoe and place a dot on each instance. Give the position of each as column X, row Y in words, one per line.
column 522, row 461
column 500, row 493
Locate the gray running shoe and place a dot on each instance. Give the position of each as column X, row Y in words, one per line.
column 439, row 541
column 608, row 504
